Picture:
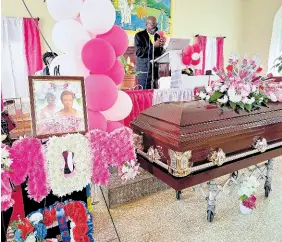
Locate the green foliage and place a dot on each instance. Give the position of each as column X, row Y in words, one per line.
column 243, row 197
column 233, row 105
column 216, row 96
column 248, row 107
column 123, row 61
column 278, row 64
column 242, row 105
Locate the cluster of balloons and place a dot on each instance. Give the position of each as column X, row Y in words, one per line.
column 191, row 55
column 91, row 43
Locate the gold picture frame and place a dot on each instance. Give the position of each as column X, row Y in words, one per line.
column 58, row 105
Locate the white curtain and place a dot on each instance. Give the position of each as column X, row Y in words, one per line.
column 14, row 71
column 276, row 42
column 211, row 54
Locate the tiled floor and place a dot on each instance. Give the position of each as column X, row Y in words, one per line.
column 161, row 218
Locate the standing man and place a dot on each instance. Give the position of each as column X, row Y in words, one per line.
column 144, row 42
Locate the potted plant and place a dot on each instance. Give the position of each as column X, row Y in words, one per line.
column 247, row 195
column 129, row 81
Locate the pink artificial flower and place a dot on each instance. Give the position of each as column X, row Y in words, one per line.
column 259, row 70
column 229, row 68
column 250, row 202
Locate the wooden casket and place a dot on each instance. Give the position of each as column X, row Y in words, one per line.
column 200, row 140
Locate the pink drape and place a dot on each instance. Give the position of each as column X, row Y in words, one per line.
column 141, row 99
column 32, row 46
column 219, row 58
column 2, row 105
column 202, row 41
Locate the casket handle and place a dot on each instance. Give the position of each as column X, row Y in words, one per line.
column 217, row 156
column 260, row 144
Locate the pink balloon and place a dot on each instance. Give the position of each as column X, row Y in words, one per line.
column 121, row 109
column 196, row 48
column 98, row 56
column 188, row 50
column 96, row 120
column 186, row 60
column 117, row 73
column 118, row 38
column 111, row 126
column 101, row 92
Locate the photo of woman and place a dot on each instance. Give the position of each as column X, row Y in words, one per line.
column 67, row 99
column 58, row 105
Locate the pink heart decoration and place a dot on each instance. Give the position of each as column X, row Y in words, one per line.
column 112, row 149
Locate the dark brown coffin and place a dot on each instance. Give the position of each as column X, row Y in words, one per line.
column 185, row 137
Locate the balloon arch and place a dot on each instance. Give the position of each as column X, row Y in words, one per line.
column 91, row 44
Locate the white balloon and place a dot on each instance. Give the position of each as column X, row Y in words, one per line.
column 69, row 36
column 121, row 108
column 98, row 16
column 68, row 65
column 64, row 9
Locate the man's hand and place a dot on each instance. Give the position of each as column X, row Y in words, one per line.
column 157, row 43
column 162, row 42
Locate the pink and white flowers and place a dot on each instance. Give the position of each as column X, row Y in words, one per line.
column 241, row 87
column 247, row 192
column 129, row 170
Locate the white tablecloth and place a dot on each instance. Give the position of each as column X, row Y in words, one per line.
column 172, row 95
column 188, row 82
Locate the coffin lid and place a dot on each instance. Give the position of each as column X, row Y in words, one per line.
column 199, row 112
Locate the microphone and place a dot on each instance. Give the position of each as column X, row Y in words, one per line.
column 154, row 30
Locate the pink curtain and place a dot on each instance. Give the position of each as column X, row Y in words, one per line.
column 141, row 99
column 220, row 58
column 32, row 46
column 202, row 41
column 2, row 105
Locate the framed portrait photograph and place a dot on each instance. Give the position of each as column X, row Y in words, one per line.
column 57, row 105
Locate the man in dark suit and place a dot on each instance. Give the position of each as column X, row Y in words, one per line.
column 144, row 42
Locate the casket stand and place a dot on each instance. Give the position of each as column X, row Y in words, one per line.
column 185, row 144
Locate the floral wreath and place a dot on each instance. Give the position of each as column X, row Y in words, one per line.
column 115, row 149
column 34, row 226
column 63, row 184
column 28, row 161
column 6, row 189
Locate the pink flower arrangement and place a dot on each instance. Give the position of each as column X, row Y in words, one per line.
column 31, row 164
column 250, row 202
column 247, row 192
column 241, row 87
column 110, row 149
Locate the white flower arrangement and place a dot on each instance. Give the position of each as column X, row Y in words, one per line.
column 6, row 161
column 129, row 170
column 248, row 187
column 62, row 184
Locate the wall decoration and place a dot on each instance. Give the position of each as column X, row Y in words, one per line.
column 58, row 105
column 131, row 14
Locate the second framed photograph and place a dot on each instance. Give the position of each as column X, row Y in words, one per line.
column 58, row 105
